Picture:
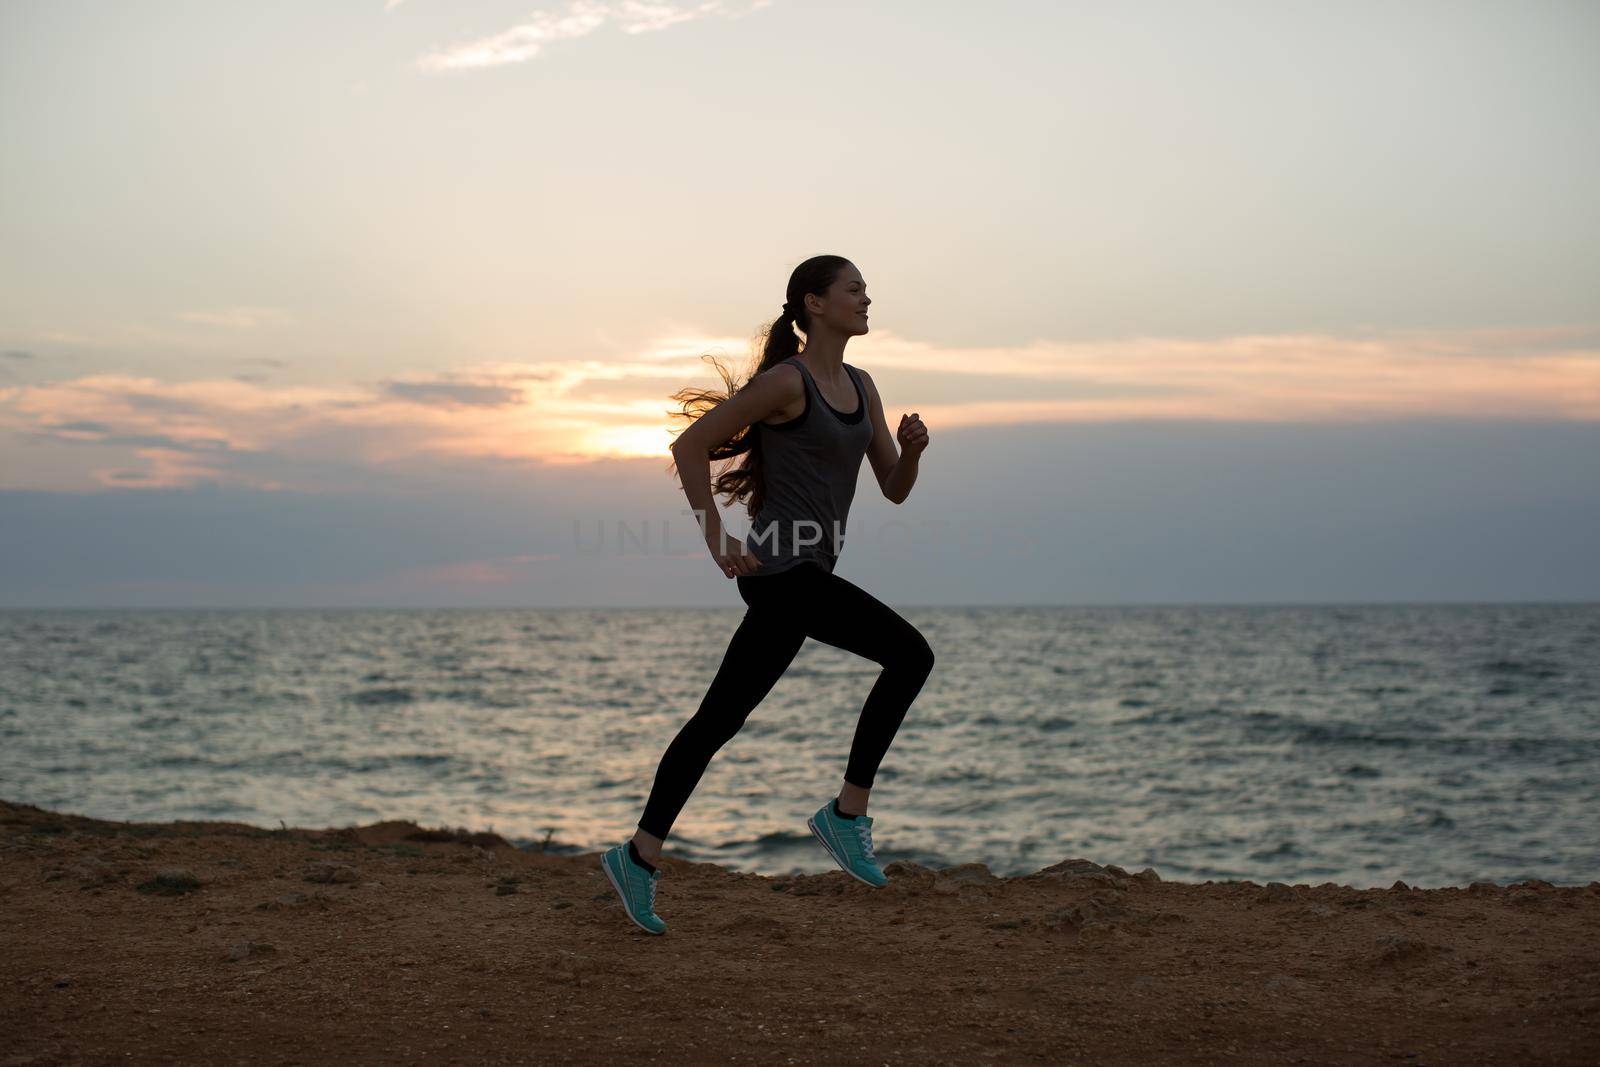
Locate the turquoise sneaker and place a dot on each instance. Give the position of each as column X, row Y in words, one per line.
column 849, row 842
column 636, row 886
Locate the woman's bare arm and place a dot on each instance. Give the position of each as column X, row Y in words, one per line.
column 896, row 469
column 770, row 391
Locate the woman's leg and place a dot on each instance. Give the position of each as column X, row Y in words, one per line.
column 836, row 612
column 761, row 650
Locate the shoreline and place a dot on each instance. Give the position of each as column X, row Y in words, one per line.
column 202, row 940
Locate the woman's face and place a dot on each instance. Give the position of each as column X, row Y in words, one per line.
column 844, row 306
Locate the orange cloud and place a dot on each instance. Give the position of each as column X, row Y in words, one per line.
column 1551, row 373
column 132, row 431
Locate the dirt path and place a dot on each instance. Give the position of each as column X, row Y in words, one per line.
column 141, row 943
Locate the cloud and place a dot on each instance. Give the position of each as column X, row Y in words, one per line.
column 265, row 361
column 1549, row 373
column 8, row 355
column 579, row 18
column 123, row 429
column 237, row 318
column 1459, row 511
column 102, row 435
column 454, row 394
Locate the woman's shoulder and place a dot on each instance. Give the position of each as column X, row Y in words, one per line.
column 863, row 377
column 786, row 371
column 784, row 390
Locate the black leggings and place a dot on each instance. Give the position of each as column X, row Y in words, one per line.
column 784, row 609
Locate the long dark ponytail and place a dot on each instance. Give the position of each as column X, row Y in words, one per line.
column 743, row 479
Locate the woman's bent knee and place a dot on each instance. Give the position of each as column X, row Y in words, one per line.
column 916, row 657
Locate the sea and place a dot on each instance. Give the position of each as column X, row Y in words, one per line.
column 1437, row 744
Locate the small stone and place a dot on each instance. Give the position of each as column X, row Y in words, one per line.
column 1072, row 866
column 93, row 871
column 243, row 950
column 1394, row 947
column 170, row 882
column 329, row 873
column 953, row 879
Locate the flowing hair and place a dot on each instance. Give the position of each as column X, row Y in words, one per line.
column 743, row 479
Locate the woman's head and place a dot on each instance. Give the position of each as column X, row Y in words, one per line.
column 824, row 294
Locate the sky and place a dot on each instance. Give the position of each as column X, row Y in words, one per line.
column 380, row 303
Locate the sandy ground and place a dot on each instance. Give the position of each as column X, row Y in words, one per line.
column 219, row 942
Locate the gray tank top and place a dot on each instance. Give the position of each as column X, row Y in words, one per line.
column 811, row 465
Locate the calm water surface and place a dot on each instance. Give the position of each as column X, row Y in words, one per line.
column 1436, row 744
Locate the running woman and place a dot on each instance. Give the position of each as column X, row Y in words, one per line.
column 802, row 424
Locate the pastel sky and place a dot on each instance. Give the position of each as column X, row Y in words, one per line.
column 382, row 302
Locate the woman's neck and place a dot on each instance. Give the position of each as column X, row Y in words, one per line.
column 825, row 354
